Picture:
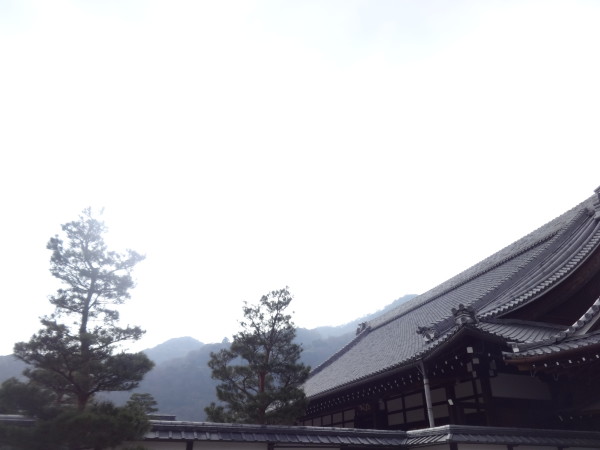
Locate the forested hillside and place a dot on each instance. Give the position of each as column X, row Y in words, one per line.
column 181, row 381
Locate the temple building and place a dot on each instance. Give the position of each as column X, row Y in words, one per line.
column 504, row 355
column 513, row 342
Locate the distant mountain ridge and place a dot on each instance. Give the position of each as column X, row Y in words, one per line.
column 173, row 348
column 181, row 381
column 10, row 367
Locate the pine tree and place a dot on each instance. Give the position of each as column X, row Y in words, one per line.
column 143, row 402
column 260, row 373
column 77, row 353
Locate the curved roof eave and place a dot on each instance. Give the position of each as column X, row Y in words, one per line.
column 490, row 278
column 430, row 352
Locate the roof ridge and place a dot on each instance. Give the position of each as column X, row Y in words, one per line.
column 466, row 280
column 552, row 239
column 533, row 323
column 589, row 315
column 580, row 230
column 581, row 208
column 439, row 323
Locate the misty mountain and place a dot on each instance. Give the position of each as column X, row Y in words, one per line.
column 172, row 349
column 181, row 381
column 10, row 367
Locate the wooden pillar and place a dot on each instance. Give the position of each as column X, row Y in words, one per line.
column 427, row 394
column 453, row 408
column 489, row 406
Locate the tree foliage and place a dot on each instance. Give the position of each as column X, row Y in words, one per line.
column 100, row 425
column 261, row 375
column 144, row 402
column 78, row 352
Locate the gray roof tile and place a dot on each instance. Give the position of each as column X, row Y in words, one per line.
column 511, row 277
column 503, row 436
column 312, row 436
column 576, row 342
column 519, row 331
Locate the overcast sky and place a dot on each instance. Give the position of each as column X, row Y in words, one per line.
column 355, row 151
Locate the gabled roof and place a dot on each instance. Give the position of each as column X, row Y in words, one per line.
column 509, row 279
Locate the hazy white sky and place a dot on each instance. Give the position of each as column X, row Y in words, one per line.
column 355, row 151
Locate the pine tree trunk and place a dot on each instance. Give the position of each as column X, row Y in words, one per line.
column 84, row 338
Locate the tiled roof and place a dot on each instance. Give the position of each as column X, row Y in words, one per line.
column 520, row 330
column 304, row 436
column 327, row 436
column 510, row 278
column 576, row 248
column 502, row 436
column 590, row 315
column 319, row 437
column 547, row 348
column 549, row 342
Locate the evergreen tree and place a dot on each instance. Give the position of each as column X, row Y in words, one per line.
column 101, row 425
column 261, row 375
column 77, row 352
column 144, row 402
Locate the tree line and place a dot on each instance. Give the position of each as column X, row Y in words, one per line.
column 78, row 354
